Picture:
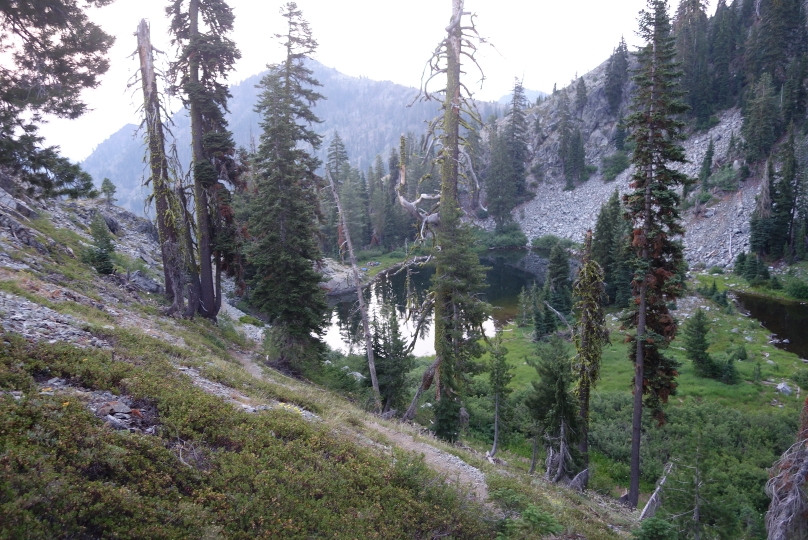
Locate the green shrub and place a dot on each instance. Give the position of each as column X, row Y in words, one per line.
column 800, row 378
column 249, row 319
column 798, row 289
column 613, row 165
column 725, row 179
column 509, row 235
column 655, row 529
column 549, row 240
column 716, row 270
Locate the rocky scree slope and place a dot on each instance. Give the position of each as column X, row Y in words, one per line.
column 713, row 236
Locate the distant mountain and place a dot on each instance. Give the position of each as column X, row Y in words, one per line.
column 370, row 116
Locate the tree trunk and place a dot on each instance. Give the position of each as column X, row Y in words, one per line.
column 167, row 226
column 207, row 300
column 496, row 425
column 535, row 455
column 426, row 383
column 362, row 307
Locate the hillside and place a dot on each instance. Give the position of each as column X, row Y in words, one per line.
column 370, row 116
column 108, row 407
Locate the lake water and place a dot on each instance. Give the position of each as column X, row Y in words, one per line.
column 787, row 319
column 509, row 271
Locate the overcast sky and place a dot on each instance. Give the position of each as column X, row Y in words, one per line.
column 541, row 41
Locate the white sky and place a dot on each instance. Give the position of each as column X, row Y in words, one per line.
column 544, row 42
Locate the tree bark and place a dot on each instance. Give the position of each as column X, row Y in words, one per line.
column 158, row 164
column 362, row 307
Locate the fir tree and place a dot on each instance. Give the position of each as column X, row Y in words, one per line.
column 284, row 207
column 205, row 58
column 108, row 189
column 554, row 407
column 617, row 76
column 100, row 255
column 707, row 166
column 51, row 53
column 393, row 362
column 580, row 95
column 500, row 373
column 761, row 120
column 558, row 279
column 652, row 209
column 724, row 41
column 696, row 344
column 690, row 27
column 590, row 336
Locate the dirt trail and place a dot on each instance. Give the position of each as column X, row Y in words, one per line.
column 454, row 468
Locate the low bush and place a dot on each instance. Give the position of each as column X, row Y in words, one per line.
column 210, row 471
column 549, row 240
column 613, row 165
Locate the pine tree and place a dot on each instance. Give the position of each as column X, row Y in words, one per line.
column 284, row 207
column 696, row 344
column 707, row 166
column 653, row 209
column 516, row 133
column 500, row 373
column 590, row 336
column 558, row 279
column 604, row 238
column 690, row 27
column 100, row 255
column 554, row 407
column 724, row 41
column 761, row 120
column 393, row 362
column 108, row 189
column 500, row 196
column 580, row 95
column 205, row 58
column 617, row 76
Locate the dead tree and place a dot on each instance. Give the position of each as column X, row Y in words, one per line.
column 787, row 517
column 362, row 307
column 168, row 210
column 458, row 313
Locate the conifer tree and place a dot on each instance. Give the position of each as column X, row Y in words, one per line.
column 500, row 373
column 590, row 336
column 580, row 95
column 617, row 76
column 558, row 279
column 199, row 30
column 458, row 311
column 706, row 166
column 696, row 344
column 51, row 53
column 724, row 41
column 393, row 362
column 553, row 406
column 516, row 134
column 690, row 27
column 284, row 206
column 761, row 120
column 652, row 208
column 108, row 189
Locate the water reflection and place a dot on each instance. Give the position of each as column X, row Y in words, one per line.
column 508, row 273
column 787, row 319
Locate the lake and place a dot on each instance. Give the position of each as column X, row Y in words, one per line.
column 787, row 319
column 508, row 272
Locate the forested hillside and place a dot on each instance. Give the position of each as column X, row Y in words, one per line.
column 369, row 116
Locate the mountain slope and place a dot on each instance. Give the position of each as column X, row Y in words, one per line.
column 370, row 116
column 116, row 421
